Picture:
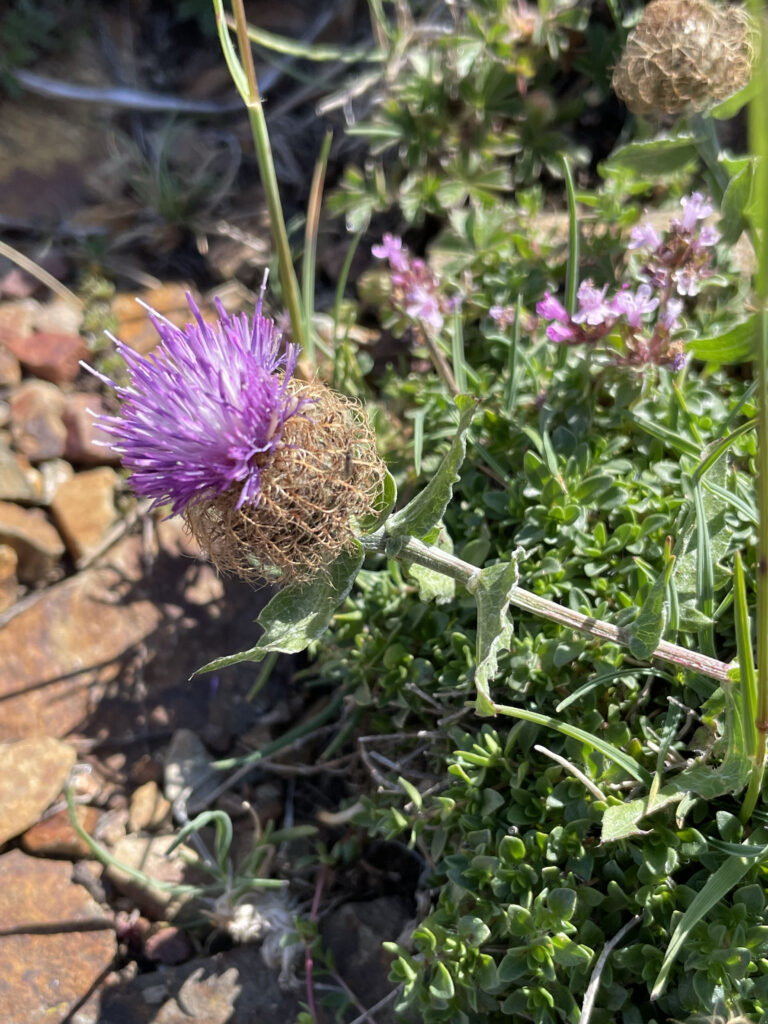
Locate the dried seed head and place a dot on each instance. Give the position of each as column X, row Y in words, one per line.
column 685, row 56
column 324, row 475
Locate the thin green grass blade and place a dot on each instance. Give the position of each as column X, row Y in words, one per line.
column 629, row 764
column 313, row 51
column 705, row 575
column 309, row 262
column 510, row 387
column 457, row 352
column 715, row 889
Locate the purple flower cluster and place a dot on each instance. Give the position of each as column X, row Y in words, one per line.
column 415, row 288
column 205, row 411
column 672, row 270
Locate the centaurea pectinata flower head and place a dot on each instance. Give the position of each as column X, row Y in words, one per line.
column 269, row 472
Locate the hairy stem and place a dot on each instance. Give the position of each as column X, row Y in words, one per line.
column 410, row 549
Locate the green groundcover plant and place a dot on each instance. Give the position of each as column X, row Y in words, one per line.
column 540, row 610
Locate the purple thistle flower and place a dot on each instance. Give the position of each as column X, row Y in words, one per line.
column 634, row 307
column 205, row 411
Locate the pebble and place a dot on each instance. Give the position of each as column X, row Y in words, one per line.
column 17, row 320
column 54, row 472
column 149, row 809
column 55, row 837
column 50, row 355
column 154, row 859
column 19, row 480
column 84, row 436
column 33, row 773
column 9, row 582
column 10, row 368
column 168, row 946
column 37, row 426
column 35, row 541
column 46, row 975
column 84, row 510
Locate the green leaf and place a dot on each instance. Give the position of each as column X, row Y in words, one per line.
column 730, row 107
column 492, row 588
column 658, row 156
column 621, row 820
column 299, row 614
column 441, row 986
column 736, row 199
column 736, row 345
column 383, row 505
column 648, row 627
column 426, row 510
column 715, row 889
column 434, row 586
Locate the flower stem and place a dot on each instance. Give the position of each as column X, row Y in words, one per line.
column 249, row 90
column 412, row 550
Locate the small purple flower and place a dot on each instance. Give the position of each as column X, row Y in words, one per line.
column 670, row 317
column 391, row 249
column 205, row 411
column 593, row 309
column 644, row 236
column 551, row 309
column 695, row 208
column 634, row 307
column 422, row 305
column 708, row 236
column 687, row 280
column 561, row 332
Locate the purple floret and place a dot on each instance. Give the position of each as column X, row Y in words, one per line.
column 205, row 411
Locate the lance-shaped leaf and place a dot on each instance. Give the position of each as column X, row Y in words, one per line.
column 426, row 510
column 299, row 614
column 492, row 588
column 648, row 628
column 433, row 585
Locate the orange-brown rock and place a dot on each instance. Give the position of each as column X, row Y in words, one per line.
column 37, row 427
column 8, row 580
column 19, row 480
column 149, row 809
column 55, row 836
column 45, row 975
column 51, row 355
column 35, row 541
column 84, row 510
column 84, row 436
column 33, row 773
column 57, row 655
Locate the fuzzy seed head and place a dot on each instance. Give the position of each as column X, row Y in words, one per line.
column 685, row 56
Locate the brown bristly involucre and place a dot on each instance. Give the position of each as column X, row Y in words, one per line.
column 324, row 475
column 685, row 56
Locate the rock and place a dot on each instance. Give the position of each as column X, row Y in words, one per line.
column 45, row 975
column 54, row 473
column 10, row 368
column 36, row 543
column 51, row 355
column 135, row 328
column 235, row 987
column 84, row 437
column 33, row 773
column 149, row 809
column 189, row 776
column 58, row 315
column 151, row 856
column 353, row 933
column 55, row 837
column 51, row 687
column 168, row 946
column 17, row 320
column 84, row 510
column 19, row 481
column 37, row 427
column 9, row 583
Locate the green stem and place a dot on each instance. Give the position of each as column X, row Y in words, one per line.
column 412, row 550
column 758, row 138
column 252, row 100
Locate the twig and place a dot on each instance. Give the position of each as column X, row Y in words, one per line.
column 594, row 982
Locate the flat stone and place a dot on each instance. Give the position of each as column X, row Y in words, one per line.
column 151, row 856
column 84, row 436
column 149, row 809
column 89, row 623
column 50, row 355
column 235, row 987
column 33, row 773
column 55, row 837
column 10, row 368
column 19, row 480
column 84, row 509
column 188, row 773
column 37, row 426
column 35, row 541
column 54, row 472
column 44, row 976
column 9, row 582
